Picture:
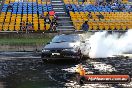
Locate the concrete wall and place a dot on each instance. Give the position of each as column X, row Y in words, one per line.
column 20, row 48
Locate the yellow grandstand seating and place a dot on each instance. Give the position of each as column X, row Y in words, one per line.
column 1, row 19
column 90, row 25
column 112, row 20
column 1, row 26
column 106, row 25
column 12, row 21
column 129, row 25
column 95, row 25
column 125, row 1
column 7, row 20
column 112, row 25
column 17, row 27
column 123, row 26
column 47, row 26
column 35, row 27
column 118, row 25
column 11, row 26
column 41, row 26
column 101, row 26
column 5, row 26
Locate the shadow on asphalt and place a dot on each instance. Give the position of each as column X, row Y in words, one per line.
column 64, row 61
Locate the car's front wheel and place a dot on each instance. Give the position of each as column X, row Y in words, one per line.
column 43, row 59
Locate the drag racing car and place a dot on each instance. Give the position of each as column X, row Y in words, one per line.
column 64, row 46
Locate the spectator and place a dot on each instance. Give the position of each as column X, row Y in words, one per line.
column 47, row 19
column 70, row 8
column 37, row 13
column 29, row 26
column 114, row 6
column 9, row 7
column 85, row 26
column 99, row 2
column 23, row 27
column 83, row 1
column 42, row 16
column 90, row 15
column 55, row 17
column 120, row 7
column 44, row 26
column 54, row 24
column 96, row 4
column 129, row 8
column 104, row 4
column 100, row 16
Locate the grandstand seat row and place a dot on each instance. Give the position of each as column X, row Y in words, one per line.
column 17, row 27
column 112, row 20
column 91, row 8
column 86, row 2
column 122, row 16
column 29, row 1
column 105, row 25
column 8, row 20
column 79, row 2
column 27, row 9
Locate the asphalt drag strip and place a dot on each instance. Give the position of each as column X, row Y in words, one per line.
column 26, row 70
column 104, row 66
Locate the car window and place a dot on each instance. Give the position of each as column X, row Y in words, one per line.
column 66, row 38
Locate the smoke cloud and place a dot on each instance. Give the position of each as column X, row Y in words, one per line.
column 104, row 44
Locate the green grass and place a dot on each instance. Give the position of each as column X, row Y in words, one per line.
column 25, row 41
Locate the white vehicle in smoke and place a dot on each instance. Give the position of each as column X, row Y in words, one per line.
column 65, row 46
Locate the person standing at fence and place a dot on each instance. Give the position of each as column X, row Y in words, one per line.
column 69, row 8
column 83, row 1
column 47, row 19
column 29, row 27
column 42, row 16
column 90, row 15
column 85, row 26
column 54, row 24
column 55, row 17
column 100, row 16
column 9, row 7
column 23, row 26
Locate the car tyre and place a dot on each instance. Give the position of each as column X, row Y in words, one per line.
column 43, row 60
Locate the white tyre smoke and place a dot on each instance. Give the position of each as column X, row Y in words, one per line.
column 104, row 44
